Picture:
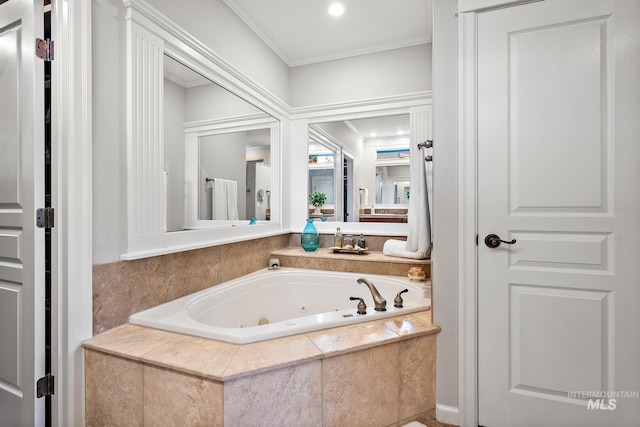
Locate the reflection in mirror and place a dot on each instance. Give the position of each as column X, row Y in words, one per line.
column 392, row 177
column 229, row 192
column 362, row 165
column 217, row 153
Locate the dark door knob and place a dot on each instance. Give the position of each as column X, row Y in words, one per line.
column 493, row 241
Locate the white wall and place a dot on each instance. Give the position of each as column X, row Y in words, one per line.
column 109, row 137
column 208, row 102
column 174, row 116
column 445, row 195
column 374, row 75
column 215, row 25
column 220, row 156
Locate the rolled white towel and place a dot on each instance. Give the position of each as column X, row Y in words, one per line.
column 398, row 248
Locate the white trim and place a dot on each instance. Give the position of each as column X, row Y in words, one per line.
column 230, row 124
column 194, row 131
column 72, row 199
column 467, row 220
column 488, row 5
column 362, row 108
column 447, row 414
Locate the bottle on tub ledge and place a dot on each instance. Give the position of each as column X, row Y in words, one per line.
column 362, row 244
column 337, row 238
column 310, row 238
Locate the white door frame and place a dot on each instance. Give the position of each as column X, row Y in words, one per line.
column 72, row 200
column 468, row 221
column 468, row 206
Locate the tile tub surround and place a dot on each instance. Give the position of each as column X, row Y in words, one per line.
column 322, row 378
column 126, row 287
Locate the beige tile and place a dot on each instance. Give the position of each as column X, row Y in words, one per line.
column 415, row 323
column 290, row 396
column 417, row 362
column 129, row 341
column 265, row 355
column 126, row 287
column 113, row 391
column 361, row 388
column 352, row 337
column 191, row 355
column 175, row 399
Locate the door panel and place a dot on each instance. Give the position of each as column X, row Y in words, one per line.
column 21, row 192
column 550, row 322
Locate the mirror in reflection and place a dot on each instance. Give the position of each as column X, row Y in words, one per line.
column 230, row 192
column 362, row 165
column 217, row 153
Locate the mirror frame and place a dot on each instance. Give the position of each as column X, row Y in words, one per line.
column 193, row 133
column 419, row 108
column 149, row 35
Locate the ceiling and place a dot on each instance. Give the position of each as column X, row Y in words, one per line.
column 301, row 32
column 381, row 127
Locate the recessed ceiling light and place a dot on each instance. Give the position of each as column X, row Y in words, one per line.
column 400, row 132
column 336, row 9
column 373, row 134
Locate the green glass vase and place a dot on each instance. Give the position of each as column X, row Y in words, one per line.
column 310, row 239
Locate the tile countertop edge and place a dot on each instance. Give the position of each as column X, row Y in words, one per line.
column 327, row 253
column 394, row 335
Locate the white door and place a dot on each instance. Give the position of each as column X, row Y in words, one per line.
column 559, row 172
column 21, row 193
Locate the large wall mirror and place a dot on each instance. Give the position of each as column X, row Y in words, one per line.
column 362, row 167
column 203, row 145
column 225, row 141
column 360, row 157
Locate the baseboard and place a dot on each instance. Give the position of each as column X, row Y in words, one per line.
column 447, row 414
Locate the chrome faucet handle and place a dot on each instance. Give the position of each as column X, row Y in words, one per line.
column 362, row 307
column 397, row 301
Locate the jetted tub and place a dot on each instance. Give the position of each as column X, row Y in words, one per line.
column 276, row 303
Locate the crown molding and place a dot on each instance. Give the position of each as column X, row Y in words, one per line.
column 175, row 36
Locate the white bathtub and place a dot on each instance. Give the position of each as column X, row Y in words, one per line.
column 292, row 300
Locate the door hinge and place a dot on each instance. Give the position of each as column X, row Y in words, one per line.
column 45, row 386
column 44, row 218
column 44, row 49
